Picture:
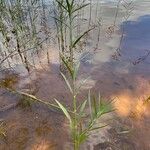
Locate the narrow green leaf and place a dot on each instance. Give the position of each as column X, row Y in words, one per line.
column 99, row 98
column 82, row 138
column 69, row 7
column 76, row 69
column 82, row 107
column 61, row 5
column 89, row 100
column 79, row 38
column 67, row 82
column 82, row 83
column 61, row 21
column 64, row 111
column 28, row 95
column 124, row 132
column 94, row 106
column 104, row 108
column 72, row 3
column 80, row 7
column 96, row 128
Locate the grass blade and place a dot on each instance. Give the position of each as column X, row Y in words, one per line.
column 82, row 107
column 89, row 100
column 80, row 37
column 76, row 69
column 67, row 82
column 64, row 111
column 96, row 128
column 80, row 7
column 94, row 106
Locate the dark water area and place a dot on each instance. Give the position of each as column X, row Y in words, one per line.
column 136, row 40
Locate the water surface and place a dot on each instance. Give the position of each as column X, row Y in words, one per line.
column 119, row 68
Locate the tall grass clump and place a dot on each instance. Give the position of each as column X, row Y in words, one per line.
column 22, row 36
column 66, row 13
column 84, row 116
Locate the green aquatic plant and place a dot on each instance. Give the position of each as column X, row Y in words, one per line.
column 83, row 115
column 21, row 31
column 66, row 11
column 82, row 119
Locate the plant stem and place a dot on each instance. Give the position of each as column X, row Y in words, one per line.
column 70, row 38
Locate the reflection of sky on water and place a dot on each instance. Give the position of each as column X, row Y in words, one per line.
column 112, row 76
column 136, row 41
column 134, row 49
column 135, row 46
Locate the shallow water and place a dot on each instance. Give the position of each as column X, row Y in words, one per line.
column 117, row 70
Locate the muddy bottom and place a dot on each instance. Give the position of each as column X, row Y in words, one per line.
column 27, row 125
column 33, row 126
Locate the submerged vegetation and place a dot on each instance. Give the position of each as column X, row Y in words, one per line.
column 22, row 32
column 2, row 130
